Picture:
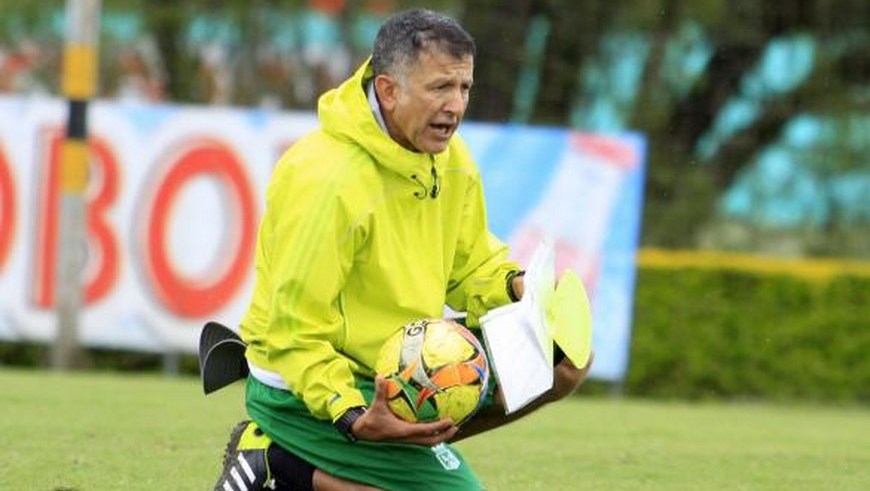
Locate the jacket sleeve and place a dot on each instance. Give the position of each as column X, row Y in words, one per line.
column 478, row 281
column 309, row 254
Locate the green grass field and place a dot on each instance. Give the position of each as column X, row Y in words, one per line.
column 132, row 432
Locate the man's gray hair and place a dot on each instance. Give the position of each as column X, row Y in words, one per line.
column 404, row 35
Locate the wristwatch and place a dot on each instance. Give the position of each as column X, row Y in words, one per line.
column 345, row 422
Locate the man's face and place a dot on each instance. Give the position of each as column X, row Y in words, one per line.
column 423, row 107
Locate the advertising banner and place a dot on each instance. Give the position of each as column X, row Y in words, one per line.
column 176, row 193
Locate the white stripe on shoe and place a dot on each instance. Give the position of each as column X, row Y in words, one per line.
column 247, row 468
column 238, row 478
column 228, row 486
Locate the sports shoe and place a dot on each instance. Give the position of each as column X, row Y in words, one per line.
column 246, row 463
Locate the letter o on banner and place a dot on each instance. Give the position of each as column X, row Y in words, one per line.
column 200, row 297
column 7, row 208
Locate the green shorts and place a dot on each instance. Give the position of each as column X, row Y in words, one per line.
column 389, row 466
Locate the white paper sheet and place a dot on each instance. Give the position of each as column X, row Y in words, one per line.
column 519, row 363
column 519, row 343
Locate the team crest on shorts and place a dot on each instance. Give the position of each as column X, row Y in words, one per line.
column 446, row 457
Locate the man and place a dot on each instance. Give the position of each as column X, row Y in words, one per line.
column 374, row 220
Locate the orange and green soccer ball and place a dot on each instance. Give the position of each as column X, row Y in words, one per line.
column 435, row 368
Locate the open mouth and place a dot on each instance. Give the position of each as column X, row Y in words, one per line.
column 443, row 130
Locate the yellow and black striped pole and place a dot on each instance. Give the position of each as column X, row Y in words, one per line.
column 78, row 86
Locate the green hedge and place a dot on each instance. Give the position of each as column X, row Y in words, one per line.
column 707, row 333
column 38, row 355
column 698, row 333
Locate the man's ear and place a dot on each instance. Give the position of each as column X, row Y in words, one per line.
column 387, row 90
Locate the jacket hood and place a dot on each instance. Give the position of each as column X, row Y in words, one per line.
column 344, row 113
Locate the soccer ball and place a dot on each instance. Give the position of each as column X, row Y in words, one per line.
column 435, row 368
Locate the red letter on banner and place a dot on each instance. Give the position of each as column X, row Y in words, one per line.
column 198, row 297
column 102, row 243
column 7, row 208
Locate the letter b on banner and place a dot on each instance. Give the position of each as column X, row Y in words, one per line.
column 103, row 254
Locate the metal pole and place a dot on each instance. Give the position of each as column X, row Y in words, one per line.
column 79, row 85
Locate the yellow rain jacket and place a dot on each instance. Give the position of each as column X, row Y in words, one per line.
column 359, row 237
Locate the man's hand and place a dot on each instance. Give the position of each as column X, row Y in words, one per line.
column 518, row 285
column 380, row 424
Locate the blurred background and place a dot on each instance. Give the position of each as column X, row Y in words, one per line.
column 752, row 263
column 756, row 113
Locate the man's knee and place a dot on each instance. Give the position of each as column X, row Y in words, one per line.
column 567, row 377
